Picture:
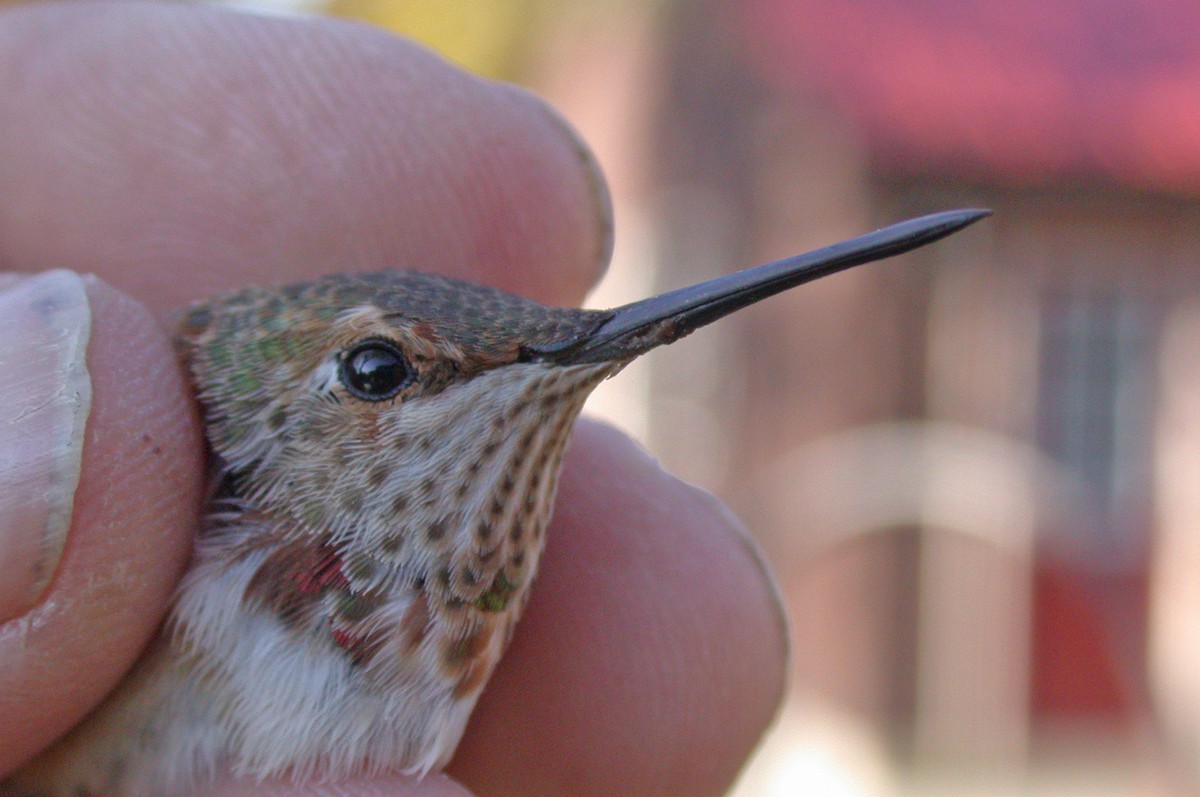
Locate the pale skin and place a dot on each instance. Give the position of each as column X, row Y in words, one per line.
column 351, row 148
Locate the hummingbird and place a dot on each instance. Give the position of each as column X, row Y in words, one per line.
column 385, row 451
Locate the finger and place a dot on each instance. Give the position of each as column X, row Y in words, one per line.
column 183, row 150
column 111, row 484
column 652, row 654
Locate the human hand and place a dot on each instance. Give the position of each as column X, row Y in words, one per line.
column 181, row 151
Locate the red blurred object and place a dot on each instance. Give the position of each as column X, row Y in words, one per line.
column 1022, row 91
column 1080, row 668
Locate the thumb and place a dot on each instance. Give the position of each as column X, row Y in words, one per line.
column 100, row 474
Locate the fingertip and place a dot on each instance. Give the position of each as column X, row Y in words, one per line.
column 404, row 161
column 595, row 225
column 132, row 514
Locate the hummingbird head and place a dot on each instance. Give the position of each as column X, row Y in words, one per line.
column 423, row 418
column 396, row 412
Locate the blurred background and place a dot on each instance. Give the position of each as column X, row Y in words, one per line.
column 975, row 470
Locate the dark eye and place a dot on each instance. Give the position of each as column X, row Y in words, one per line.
column 375, row 370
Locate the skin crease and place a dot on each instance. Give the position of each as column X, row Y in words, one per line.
column 155, row 146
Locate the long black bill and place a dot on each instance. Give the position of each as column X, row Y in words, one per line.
column 635, row 328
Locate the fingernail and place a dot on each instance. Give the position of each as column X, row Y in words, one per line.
column 45, row 396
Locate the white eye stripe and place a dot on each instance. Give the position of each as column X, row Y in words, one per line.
column 325, row 376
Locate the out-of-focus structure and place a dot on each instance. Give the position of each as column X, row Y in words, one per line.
column 976, row 470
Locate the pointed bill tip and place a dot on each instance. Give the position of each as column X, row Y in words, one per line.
column 954, row 220
column 635, row 328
